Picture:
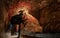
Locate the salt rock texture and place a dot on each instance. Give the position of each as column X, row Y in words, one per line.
column 32, row 24
column 48, row 15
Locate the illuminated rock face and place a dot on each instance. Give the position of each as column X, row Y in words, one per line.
column 45, row 14
column 26, row 7
column 32, row 24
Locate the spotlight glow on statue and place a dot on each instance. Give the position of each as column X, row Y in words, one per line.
column 25, row 9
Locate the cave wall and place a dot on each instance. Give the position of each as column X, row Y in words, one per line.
column 1, row 16
column 46, row 11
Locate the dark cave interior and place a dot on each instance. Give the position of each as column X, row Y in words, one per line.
column 47, row 12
